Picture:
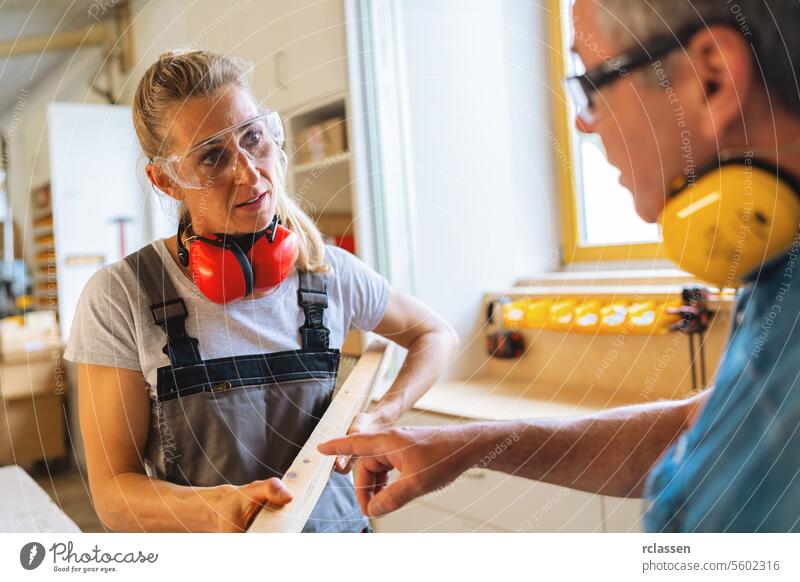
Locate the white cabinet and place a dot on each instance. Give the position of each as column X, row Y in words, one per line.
column 482, row 500
column 299, row 48
column 517, row 504
column 623, row 515
column 418, row 517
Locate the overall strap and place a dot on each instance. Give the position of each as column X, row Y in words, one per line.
column 168, row 309
column 312, row 296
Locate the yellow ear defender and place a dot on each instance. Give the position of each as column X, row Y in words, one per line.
column 734, row 218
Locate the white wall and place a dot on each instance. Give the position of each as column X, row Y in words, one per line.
column 484, row 169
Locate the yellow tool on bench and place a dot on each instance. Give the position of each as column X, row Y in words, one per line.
column 592, row 316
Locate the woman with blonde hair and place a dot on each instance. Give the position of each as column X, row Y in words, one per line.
column 207, row 358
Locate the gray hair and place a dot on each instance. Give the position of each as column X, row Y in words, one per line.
column 765, row 23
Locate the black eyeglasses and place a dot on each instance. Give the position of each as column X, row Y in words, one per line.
column 582, row 88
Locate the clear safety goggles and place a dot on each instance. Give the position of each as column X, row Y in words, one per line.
column 216, row 159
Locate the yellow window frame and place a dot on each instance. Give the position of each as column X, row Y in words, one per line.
column 573, row 250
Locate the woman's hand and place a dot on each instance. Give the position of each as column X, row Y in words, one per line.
column 239, row 505
column 114, row 425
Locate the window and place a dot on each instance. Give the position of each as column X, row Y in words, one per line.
column 594, row 204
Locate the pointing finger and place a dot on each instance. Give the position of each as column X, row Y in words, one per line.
column 357, row 444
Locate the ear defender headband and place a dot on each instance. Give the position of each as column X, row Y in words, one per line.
column 228, row 268
column 737, row 216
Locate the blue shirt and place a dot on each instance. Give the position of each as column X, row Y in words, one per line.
column 738, row 468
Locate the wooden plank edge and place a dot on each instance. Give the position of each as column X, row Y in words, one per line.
column 310, row 471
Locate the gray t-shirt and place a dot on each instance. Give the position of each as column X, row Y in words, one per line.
column 113, row 325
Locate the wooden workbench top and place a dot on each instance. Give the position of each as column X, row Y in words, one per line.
column 495, row 399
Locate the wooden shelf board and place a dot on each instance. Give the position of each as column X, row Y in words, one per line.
column 42, row 212
column 322, row 165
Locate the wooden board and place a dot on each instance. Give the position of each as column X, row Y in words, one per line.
column 309, row 473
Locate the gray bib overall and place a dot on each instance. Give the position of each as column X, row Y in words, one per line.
column 243, row 418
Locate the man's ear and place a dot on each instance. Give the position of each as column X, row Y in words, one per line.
column 162, row 182
column 722, row 64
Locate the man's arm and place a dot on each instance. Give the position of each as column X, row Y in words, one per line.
column 609, row 453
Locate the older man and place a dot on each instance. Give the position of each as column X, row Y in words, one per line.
column 719, row 77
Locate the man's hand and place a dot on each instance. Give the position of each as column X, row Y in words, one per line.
column 364, row 422
column 427, row 458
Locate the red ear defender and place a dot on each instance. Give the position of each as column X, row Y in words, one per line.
column 220, row 269
column 228, row 268
column 273, row 256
